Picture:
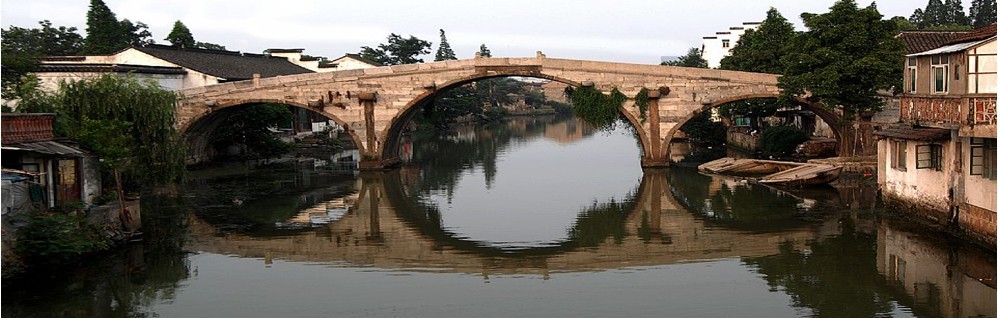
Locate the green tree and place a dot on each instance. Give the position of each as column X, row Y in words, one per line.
column 135, row 33
column 693, row 58
column 484, row 51
column 444, row 52
column 847, row 55
column 128, row 123
column 209, row 46
column 105, row 34
column 181, row 36
column 20, row 48
column 251, row 127
column 982, row 13
column 760, row 50
column 397, row 51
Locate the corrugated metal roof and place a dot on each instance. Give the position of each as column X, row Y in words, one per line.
column 950, row 48
column 47, row 147
column 912, row 133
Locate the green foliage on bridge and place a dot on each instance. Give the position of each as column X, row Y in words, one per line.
column 600, row 110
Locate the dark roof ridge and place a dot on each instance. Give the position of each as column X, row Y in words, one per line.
column 189, row 49
column 976, row 35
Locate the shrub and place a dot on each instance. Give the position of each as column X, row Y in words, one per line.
column 57, row 237
column 781, row 140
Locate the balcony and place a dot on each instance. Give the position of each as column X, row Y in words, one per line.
column 948, row 111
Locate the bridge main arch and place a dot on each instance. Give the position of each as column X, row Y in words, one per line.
column 372, row 103
column 390, row 147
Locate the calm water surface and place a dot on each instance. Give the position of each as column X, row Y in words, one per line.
column 536, row 217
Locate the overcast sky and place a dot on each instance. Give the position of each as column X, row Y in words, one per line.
column 618, row 30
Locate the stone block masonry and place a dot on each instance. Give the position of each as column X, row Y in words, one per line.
column 401, row 89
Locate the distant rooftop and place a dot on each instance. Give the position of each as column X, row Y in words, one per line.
column 229, row 65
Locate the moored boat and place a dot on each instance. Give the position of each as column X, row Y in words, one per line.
column 774, row 172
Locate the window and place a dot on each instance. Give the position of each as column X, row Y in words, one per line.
column 912, row 71
column 982, row 157
column 727, row 43
column 929, row 157
column 940, row 74
column 743, row 122
column 899, row 155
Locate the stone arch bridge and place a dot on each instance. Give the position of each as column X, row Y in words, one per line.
column 375, row 104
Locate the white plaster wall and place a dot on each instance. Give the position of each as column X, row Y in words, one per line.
column 979, row 191
column 921, row 186
column 351, row 64
column 986, row 63
column 136, row 57
column 714, row 50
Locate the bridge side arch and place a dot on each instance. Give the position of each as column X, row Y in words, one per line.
column 829, row 117
column 392, row 137
column 197, row 131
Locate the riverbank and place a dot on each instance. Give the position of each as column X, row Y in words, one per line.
column 42, row 239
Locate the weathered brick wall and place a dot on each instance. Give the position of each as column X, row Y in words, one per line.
column 978, row 222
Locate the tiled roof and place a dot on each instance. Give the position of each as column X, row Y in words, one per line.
column 225, row 64
column 915, row 133
column 108, row 68
column 975, row 35
column 18, row 128
column 921, row 40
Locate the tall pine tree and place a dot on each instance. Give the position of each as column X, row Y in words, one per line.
column 484, row 51
column 444, row 52
column 939, row 14
column 103, row 29
column 982, row 13
column 105, row 34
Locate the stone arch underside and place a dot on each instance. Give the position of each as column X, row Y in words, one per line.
column 197, row 131
column 372, row 103
column 826, row 115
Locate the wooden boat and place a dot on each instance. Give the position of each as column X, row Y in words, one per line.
column 774, row 172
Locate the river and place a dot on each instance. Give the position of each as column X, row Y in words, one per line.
column 533, row 217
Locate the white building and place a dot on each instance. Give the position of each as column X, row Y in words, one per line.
column 348, row 61
column 172, row 67
column 718, row 46
column 941, row 158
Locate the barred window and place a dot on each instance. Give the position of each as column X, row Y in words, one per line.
column 982, row 157
column 929, row 156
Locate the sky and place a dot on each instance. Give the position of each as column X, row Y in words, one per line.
column 618, row 30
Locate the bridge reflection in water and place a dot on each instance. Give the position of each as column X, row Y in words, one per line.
column 665, row 221
column 387, row 228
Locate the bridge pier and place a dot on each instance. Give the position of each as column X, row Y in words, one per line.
column 655, row 156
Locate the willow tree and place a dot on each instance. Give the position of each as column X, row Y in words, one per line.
column 126, row 122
